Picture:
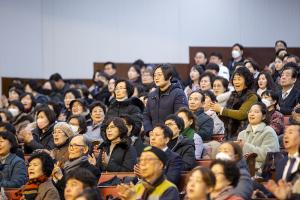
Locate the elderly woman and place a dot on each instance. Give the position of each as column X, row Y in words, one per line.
column 221, row 90
column 258, row 137
column 200, row 183
column 116, row 153
column 13, row 169
column 78, row 124
column 234, row 114
column 227, row 177
column 62, row 135
column 41, row 137
column 39, row 186
column 97, row 112
column 124, row 103
column 78, row 107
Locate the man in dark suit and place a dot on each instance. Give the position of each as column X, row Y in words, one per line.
column 289, row 96
column 159, row 137
column 290, row 163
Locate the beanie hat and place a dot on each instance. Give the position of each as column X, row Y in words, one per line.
column 66, row 128
column 159, row 153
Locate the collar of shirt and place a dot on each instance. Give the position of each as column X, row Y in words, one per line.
column 287, row 92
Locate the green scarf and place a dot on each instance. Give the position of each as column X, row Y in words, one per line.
column 189, row 133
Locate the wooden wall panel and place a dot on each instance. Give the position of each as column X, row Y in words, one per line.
column 263, row 55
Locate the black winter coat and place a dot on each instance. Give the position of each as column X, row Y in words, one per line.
column 41, row 140
column 131, row 106
column 185, row 147
column 159, row 106
column 174, row 166
column 122, row 158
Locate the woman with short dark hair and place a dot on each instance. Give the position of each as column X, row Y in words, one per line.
column 39, row 186
column 41, row 137
column 116, row 153
column 12, row 168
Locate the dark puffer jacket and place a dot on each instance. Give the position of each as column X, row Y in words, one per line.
column 41, row 140
column 122, row 158
column 160, row 105
column 131, row 106
column 205, row 125
column 185, row 147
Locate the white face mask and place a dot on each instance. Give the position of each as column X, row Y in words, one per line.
column 266, row 102
column 74, row 128
column 14, row 111
column 223, row 156
column 235, row 54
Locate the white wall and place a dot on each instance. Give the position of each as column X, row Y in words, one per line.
column 39, row 37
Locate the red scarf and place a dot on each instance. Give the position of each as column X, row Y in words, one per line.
column 30, row 189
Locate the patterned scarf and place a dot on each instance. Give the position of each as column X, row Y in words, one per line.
column 30, row 190
column 232, row 126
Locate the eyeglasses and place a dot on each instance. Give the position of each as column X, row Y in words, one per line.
column 72, row 146
column 111, row 127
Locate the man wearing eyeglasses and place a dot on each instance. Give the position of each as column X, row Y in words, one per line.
column 153, row 184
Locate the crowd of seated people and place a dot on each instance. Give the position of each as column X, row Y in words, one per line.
column 58, row 138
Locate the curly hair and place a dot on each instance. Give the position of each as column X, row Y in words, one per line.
column 231, row 171
column 246, row 74
column 47, row 162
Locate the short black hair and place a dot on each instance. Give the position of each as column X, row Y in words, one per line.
column 12, row 140
column 166, row 69
column 293, row 67
column 211, row 95
column 190, row 115
column 224, row 82
column 281, row 41
column 217, row 54
column 75, row 92
column 55, row 77
column 238, row 45
column 200, row 92
column 18, row 104
column 139, row 62
column 166, row 130
column 8, row 127
column 203, row 52
column 82, row 103
column 246, row 74
column 119, row 123
column 231, row 171
column 213, row 66
column 47, row 162
column 179, row 122
column 129, row 86
column 272, row 94
column 90, row 193
column 82, row 123
column 50, row 114
column 97, row 104
column 85, row 176
column 114, row 66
